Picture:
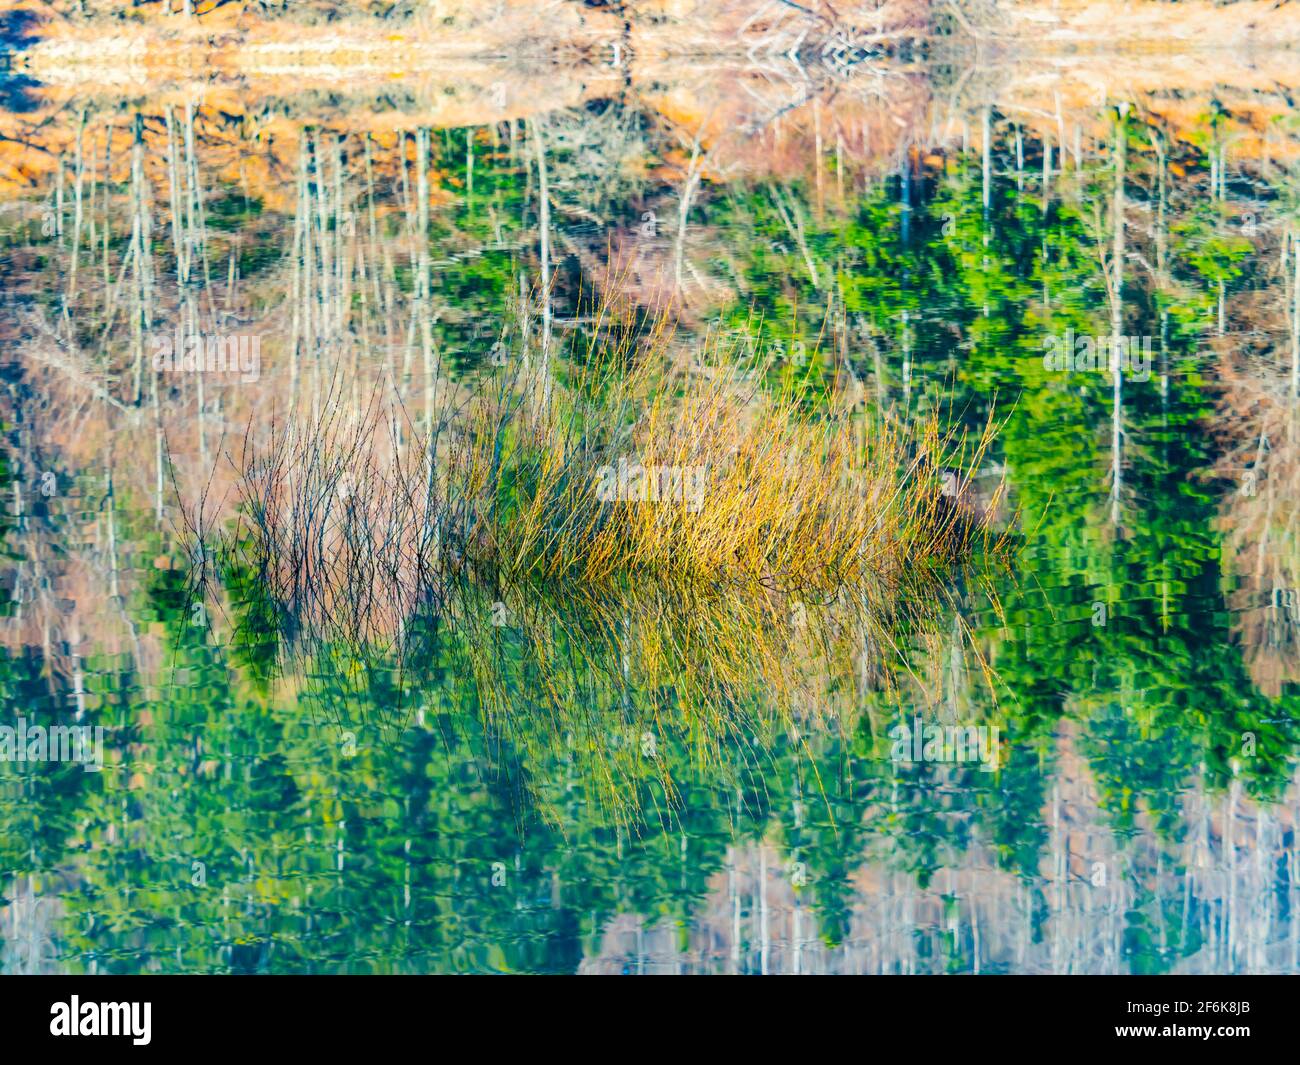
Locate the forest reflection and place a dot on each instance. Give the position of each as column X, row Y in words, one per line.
column 486, row 772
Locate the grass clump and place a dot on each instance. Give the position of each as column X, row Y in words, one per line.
column 629, row 461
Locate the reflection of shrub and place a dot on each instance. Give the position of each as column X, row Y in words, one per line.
column 255, row 259
column 228, row 213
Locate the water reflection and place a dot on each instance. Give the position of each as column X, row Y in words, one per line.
column 661, row 778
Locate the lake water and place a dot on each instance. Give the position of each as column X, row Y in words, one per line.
column 1075, row 754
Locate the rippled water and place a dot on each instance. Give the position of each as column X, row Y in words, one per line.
column 524, row 788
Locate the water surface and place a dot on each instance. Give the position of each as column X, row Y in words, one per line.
column 525, row 789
